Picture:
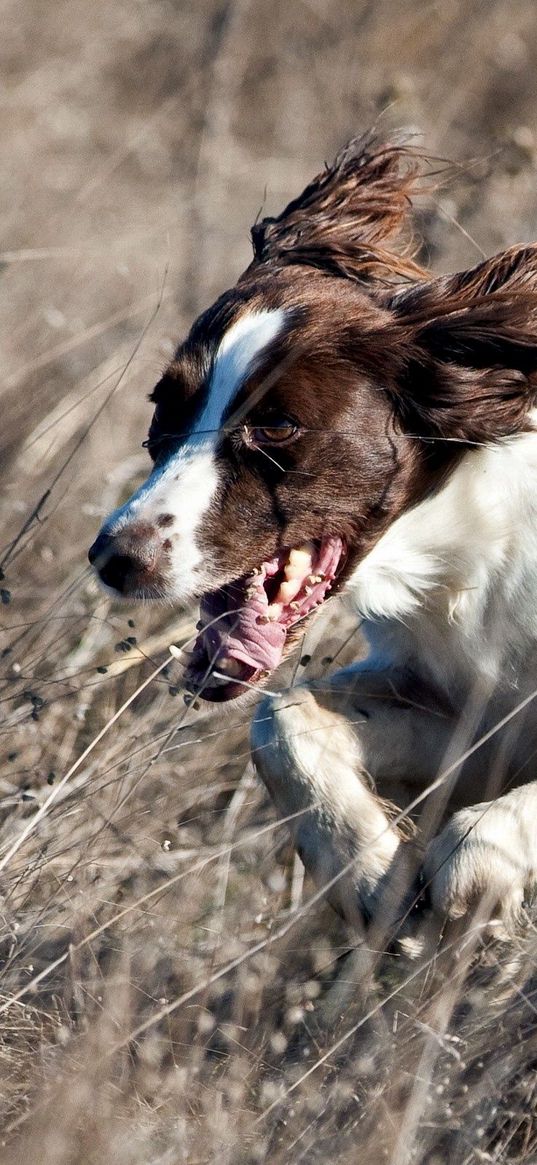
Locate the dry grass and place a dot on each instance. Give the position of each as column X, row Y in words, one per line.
column 167, row 993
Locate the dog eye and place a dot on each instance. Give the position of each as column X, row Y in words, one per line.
column 275, row 432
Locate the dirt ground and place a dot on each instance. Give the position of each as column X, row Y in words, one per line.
column 167, row 993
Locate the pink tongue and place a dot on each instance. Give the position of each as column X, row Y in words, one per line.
column 233, row 630
column 235, row 624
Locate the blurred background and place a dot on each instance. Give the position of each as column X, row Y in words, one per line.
column 140, row 140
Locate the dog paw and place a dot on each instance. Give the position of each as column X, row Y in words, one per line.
column 486, row 860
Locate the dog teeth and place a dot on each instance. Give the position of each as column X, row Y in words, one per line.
column 288, row 590
column 308, row 590
column 297, row 565
column 316, row 578
column 274, row 612
column 294, row 605
column 301, row 555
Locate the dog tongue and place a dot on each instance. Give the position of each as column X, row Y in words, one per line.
column 245, row 623
column 236, row 624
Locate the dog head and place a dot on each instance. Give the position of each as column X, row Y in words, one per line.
column 316, row 401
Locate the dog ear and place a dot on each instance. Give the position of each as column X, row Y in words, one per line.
column 469, row 344
column 343, row 219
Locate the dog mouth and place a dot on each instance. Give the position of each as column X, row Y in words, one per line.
column 244, row 625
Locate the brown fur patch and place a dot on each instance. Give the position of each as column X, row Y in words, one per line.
column 343, row 221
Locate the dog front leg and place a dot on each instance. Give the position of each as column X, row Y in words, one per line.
column 309, row 759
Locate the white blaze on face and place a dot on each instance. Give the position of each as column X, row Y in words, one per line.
column 186, row 483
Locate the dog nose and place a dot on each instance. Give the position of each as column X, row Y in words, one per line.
column 129, row 560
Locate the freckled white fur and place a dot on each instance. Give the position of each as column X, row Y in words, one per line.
column 185, row 486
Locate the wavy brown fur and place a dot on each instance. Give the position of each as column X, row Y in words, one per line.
column 343, row 218
column 471, row 339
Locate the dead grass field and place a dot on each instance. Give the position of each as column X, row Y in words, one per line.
column 168, row 992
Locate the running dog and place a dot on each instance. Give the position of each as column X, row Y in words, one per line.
column 342, row 420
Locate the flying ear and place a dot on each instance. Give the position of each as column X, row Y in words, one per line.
column 470, row 349
column 342, row 221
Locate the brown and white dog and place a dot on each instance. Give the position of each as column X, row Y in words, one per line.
column 338, row 419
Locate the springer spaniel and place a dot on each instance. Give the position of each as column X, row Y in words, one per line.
column 340, row 419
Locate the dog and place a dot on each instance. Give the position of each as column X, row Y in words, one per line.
column 341, row 420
